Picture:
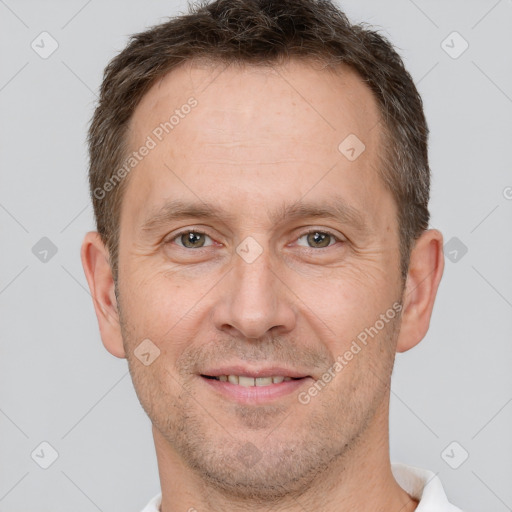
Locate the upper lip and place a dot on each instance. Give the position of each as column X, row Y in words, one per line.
column 269, row 371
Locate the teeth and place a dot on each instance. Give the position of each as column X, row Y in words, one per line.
column 245, row 381
column 242, row 380
column 263, row 381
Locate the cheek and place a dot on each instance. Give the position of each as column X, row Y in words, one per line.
column 158, row 391
column 152, row 301
column 345, row 302
column 363, row 363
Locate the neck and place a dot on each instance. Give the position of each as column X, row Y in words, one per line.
column 359, row 480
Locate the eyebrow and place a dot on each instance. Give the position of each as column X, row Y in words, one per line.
column 335, row 208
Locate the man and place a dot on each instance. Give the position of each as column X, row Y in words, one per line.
column 260, row 182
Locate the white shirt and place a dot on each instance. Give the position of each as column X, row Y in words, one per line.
column 421, row 484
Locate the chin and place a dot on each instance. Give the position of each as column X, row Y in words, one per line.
column 264, row 465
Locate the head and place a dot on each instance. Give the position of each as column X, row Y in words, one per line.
column 260, row 184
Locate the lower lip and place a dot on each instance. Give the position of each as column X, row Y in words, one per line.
column 256, row 394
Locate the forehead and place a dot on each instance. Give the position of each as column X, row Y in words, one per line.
column 256, row 132
column 245, row 100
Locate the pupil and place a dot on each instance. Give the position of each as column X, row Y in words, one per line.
column 190, row 239
column 319, row 238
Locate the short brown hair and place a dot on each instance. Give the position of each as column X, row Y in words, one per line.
column 264, row 32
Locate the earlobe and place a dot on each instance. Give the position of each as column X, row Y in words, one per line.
column 425, row 271
column 101, row 284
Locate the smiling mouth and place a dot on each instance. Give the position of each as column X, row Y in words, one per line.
column 245, row 381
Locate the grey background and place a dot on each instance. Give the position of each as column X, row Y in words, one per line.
column 57, row 382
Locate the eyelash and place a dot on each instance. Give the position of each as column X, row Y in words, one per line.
column 325, row 232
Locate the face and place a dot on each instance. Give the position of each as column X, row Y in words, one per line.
column 253, row 245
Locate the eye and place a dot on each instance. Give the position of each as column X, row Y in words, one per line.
column 190, row 239
column 314, row 239
column 317, row 239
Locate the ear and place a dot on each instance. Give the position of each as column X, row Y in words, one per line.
column 424, row 275
column 101, row 283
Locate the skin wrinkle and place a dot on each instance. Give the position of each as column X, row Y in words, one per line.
column 299, row 309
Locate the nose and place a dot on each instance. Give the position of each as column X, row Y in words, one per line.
column 254, row 301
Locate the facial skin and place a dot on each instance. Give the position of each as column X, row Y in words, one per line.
column 259, row 140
